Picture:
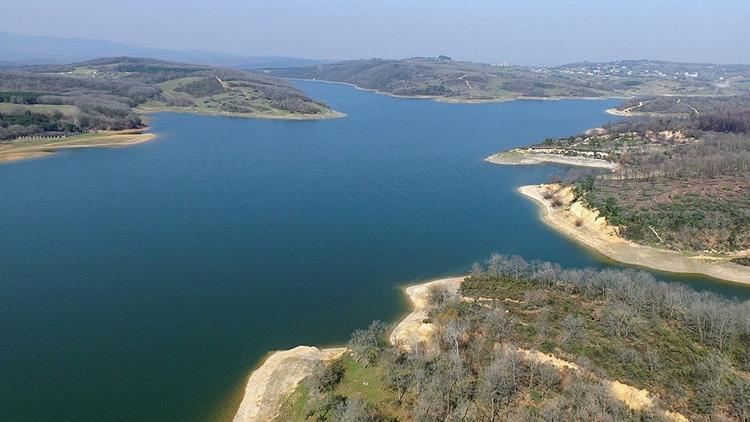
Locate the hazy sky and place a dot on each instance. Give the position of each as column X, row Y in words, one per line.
column 539, row 32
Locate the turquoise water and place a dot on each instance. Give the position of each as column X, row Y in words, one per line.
column 144, row 283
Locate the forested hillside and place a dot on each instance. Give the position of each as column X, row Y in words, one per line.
column 683, row 105
column 682, row 181
column 109, row 93
column 530, row 341
column 457, row 80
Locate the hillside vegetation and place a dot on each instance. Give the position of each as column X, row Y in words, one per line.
column 683, row 105
column 682, row 180
column 468, row 81
column 110, row 93
column 530, row 341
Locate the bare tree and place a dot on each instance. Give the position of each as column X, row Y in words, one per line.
column 366, row 345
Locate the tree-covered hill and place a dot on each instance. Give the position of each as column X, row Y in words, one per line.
column 531, row 341
column 682, row 174
column 458, row 80
column 109, row 93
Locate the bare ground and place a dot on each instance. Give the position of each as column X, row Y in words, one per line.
column 413, row 331
column 517, row 158
column 276, row 378
column 15, row 151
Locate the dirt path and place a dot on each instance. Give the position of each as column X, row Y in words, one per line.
column 224, row 84
column 627, row 111
column 586, row 227
column 630, row 109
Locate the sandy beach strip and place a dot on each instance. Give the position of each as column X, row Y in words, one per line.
column 280, row 374
column 586, row 227
column 16, row 151
column 277, row 377
column 520, row 158
column 413, row 331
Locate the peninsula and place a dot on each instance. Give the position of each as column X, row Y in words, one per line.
column 444, row 79
column 676, row 195
column 102, row 102
column 510, row 340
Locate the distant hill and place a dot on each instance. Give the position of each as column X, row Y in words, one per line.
column 468, row 81
column 34, row 50
column 110, row 93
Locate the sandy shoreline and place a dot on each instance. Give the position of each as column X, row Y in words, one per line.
column 278, row 376
column 412, row 331
column 516, row 157
column 27, row 150
column 586, row 227
column 623, row 113
column 620, row 113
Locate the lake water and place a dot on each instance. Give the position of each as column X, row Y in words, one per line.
column 144, row 283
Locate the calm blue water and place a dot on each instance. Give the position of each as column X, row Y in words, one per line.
column 144, row 283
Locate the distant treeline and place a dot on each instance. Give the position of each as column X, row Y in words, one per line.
column 106, row 91
column 688, row 189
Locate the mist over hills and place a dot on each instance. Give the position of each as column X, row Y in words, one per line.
column 18, row 49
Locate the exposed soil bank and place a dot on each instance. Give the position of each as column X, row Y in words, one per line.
column 23, row 150
column 278, row 376
column 585, row 226
column 518, row 157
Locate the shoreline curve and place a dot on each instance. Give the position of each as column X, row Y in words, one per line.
column 585, row 227
column 13, row 152
column 281, row 372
